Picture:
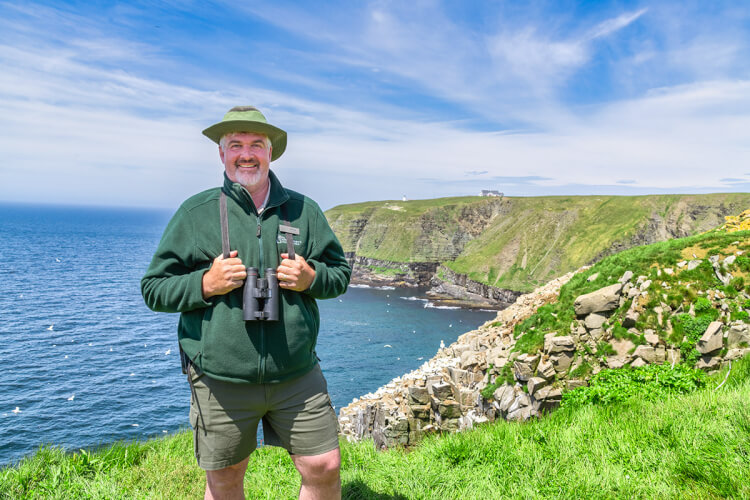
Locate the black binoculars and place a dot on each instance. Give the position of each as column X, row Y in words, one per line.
column 260, row 299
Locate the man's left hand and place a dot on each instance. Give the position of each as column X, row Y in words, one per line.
column 294, row 274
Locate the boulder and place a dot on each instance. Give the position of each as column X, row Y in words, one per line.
column 520, row 410
column 672, row 356
column 646, row 353
column 638, row 362
column 545, row 370
column 459, row 377
column 595, row 320
column 575, row 383
column 469, row 398
column 602, row 300
column 473, row 359
column 617, row 362
column 652, row 339
column 506, row 399
column 524, row 366
column 536, row 383
column 442, row 391
column 736, row 353
column 631, row 317
column 449, row 409
column 660, row 354
column 421, row 412
column 623, row 347
column 712, row 340
column 450, row 424
column 626, row 277
column 459, row 349
column 738, row 336
column 560, row 344
column 708, row 363
column 562, row 361
column 418, row 395
column 693, row 264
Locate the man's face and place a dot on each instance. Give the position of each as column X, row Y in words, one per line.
column 246, row 156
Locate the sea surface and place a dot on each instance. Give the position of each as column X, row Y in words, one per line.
column 85, row 363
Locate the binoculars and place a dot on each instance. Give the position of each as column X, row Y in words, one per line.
column 260, row 299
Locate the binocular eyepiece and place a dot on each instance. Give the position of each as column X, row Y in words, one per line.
column 260, row 299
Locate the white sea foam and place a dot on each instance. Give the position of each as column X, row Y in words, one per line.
column 414, row 299
column 430, row 305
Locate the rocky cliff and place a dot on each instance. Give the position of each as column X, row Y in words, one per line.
column 681, row 302
column 515, row 243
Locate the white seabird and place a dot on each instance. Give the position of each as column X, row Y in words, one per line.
column 72, row 397
column 51, row 327
column 17, row 410
column 169, row 351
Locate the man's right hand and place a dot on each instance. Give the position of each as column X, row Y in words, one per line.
column 224, row 276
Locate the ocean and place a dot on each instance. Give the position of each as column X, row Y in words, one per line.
column 86, row 363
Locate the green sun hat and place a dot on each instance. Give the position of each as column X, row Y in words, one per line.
column 248, row 119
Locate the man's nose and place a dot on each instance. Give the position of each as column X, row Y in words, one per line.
column 247, row 152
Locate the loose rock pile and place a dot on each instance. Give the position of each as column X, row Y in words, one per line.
column 445, row 394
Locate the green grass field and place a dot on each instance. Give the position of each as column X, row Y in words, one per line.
column 691, row 446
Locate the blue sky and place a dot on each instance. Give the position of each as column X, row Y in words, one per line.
column 102, row 103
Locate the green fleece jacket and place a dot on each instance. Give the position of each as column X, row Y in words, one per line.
column 212, row 332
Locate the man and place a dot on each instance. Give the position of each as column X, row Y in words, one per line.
column 243, row 371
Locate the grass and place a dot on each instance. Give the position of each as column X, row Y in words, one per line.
column 688, row 446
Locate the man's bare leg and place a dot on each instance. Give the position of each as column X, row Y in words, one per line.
column 321, row 479
column 226, row 484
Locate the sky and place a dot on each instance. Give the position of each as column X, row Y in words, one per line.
column 103, row 103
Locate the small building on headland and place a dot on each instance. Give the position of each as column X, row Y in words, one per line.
column 490, row 192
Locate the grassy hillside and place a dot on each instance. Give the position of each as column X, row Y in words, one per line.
column 520, row 243
column 693, row 446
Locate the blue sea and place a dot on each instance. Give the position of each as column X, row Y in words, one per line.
column 85, row 363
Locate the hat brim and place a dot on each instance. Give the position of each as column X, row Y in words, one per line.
column 278, row 137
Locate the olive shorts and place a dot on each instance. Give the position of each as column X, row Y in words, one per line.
column 225, row 416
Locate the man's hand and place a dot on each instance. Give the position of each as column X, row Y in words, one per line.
column 224, row 276
column 295, row 274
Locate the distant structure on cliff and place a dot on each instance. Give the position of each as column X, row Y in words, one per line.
column 490, row 192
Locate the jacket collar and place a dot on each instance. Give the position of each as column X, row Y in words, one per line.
column 276, row 197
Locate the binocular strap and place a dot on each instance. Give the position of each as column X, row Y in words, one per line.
column 224, row 225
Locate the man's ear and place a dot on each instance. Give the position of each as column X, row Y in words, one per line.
column 221, row 154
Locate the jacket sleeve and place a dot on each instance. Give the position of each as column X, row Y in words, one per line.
column 173, row 281
column 332, row 271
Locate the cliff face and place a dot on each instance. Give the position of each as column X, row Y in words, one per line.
column 520, row 243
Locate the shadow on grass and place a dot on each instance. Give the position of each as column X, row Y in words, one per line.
column 358, row 490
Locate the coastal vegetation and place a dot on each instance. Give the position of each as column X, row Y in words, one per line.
column 521, row 243
column 694, row 445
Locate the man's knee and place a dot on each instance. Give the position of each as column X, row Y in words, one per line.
column 227, row 479
column 319, row 468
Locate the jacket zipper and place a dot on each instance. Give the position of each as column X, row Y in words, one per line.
column 261, row 272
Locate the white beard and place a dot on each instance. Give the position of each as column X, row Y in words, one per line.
column 249, row 180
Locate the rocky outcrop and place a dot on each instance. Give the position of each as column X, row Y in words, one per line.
column 370, row 271
column 482, row 377
column 461, row 287
column 444, row 393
